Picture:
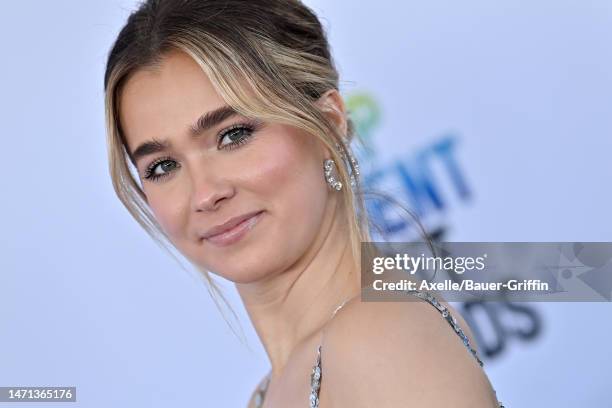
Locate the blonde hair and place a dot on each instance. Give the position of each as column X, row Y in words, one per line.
column 268, row 59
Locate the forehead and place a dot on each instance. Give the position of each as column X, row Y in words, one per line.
column 162, row 102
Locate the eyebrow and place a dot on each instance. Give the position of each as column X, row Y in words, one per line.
column 201, row 125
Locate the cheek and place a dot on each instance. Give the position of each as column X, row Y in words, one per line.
column 286, row 179
column 292, row 177
column 293, row 184
column 169, row 213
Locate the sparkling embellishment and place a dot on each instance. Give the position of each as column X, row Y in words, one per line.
column 314, row 401
column 449, row 318
column 331, row 180
column 261, row 392
column 315, row 380
column 344, row 152
column 317, row 373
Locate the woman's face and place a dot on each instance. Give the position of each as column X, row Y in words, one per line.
column 197, row 180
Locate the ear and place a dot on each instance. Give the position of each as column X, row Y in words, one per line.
column 332, row 105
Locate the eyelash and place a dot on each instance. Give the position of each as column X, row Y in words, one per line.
column 249, row 127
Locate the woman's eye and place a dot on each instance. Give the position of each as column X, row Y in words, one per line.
column 160, row 168
column 235, row 136
column 228, row 139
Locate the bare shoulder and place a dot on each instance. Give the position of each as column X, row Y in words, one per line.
column 386, row 354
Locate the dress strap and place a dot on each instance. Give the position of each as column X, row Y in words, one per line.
column 315, row 375
column 448, row 317
column 260, row 393
column 431, row 299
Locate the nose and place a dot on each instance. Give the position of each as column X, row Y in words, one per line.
column 209, row 191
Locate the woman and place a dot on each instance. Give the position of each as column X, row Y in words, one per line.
column 229, row 113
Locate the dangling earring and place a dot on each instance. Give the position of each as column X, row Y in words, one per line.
column 343, row 152
column 328, row 165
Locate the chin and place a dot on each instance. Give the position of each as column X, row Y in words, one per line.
column 237, row 268
column 243, row 274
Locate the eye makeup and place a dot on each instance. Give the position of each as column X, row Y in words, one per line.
column 238, row 134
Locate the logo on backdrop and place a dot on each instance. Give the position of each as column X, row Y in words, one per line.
column 429, row 179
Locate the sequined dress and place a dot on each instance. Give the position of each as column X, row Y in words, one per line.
column 315, row 376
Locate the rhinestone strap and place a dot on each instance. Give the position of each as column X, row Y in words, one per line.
column 452, row 322
column 261, row 391
column 448, row 317
column 315, row 380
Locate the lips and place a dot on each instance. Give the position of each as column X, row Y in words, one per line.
column 229, row 226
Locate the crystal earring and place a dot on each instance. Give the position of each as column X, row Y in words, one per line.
column 328, row 165
column 353, row 161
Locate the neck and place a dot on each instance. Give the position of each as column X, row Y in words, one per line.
column 290, row 308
